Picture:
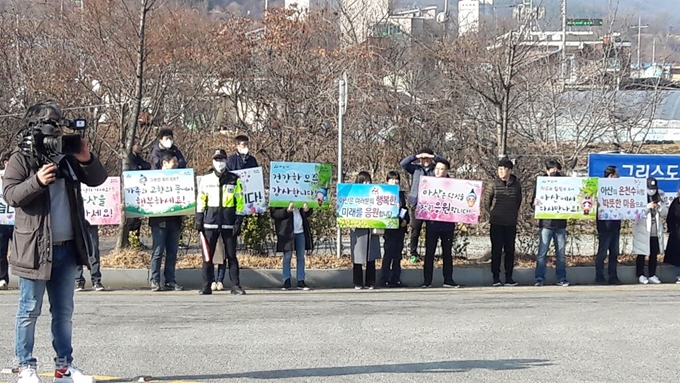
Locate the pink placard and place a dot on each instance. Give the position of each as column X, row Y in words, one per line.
column 449, row 200
column 102, row 203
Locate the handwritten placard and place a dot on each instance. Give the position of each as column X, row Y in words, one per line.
column 449, row 200
column 566, row 198
column 6, row 212
column 368, row 206
column 252, row 183
column 102, row 203
column 620, row 199
column 300, row 183
column 157, row 193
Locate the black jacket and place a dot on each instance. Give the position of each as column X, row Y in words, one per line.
column 156, row 157
column 502, row 201
column 137, row 162
column 407, row 218
column 239, row 162
column 285, row 236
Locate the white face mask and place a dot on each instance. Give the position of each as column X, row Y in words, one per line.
column 167, row 143
column 219, row 166
column 651, row 192
column 243, row 151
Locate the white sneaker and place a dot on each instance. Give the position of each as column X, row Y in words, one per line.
column 213, row 286
column 677, row 280
column 654, row 279
column 220, row 286
column 71, row 374
column 28, row 375
column 3, row 285
column 642, row 279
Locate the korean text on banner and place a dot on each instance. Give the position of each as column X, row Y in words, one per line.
column 368, row 206
column 159, row 193
column 664, row 167
column 620, row 199
column 449, row 200
column 300, row 183
column 102, row 203
column 252, row 183
column 6, row 211
column 566, row 197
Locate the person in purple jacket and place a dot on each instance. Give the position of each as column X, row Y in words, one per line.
column 417, row 165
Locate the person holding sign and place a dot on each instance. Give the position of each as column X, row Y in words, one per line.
column 608, row 234
column 648, row 234
column 672, row 255
column 502, row 200
column 394, row 240
column 165, row 233
column 417, row 165
column 220, row 196
column 436, row 231
column 293, row 233
column 364, row 248
column 551, row 230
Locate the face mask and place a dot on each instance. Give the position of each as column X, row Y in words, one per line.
column 166, row 144
column 554, row 174
column 219, row 166
column 392, row 182
column 243, row 151
column 651, row 192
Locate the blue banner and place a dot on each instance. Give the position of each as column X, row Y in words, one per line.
column 664, row 167
column 374, row 206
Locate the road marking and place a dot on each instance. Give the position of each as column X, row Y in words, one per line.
column 98, row 377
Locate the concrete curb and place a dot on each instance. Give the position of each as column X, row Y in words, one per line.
column 267, row 279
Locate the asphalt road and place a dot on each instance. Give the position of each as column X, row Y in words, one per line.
column 524, row 334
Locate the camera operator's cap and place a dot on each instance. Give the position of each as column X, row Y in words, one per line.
column 219, row 153
column 652, row 183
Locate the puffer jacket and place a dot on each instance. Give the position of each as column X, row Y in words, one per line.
column 219, row 197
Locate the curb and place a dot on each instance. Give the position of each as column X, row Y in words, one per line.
column 342, row 278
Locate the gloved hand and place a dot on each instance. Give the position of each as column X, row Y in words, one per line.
column 236, row 231
column 198, row 226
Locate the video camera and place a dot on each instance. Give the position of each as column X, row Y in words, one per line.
column 41, row 141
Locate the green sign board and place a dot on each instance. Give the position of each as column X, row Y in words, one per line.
column 585, row 22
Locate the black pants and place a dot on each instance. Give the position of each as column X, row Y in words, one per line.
column 502, row 240
column 6, row 232
column 432, row 237
column 359, row 274
column 414, row 237
column 654, row 251
column 229, row 242
column 134, row 225
column 390, row 271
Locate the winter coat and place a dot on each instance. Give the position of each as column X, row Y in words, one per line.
column 416, row 170
column 642, row 229
column 502, row 201
column 284, row 226
column 364, row 245
column 673, row 221
column 32, row 241
column 156, row 157
column 137, row 162
column 238, row 161
column 401, row 231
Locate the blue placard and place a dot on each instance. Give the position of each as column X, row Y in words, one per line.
column 374, row 206
column 664, row 167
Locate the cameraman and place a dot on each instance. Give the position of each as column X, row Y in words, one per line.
column 45, row 256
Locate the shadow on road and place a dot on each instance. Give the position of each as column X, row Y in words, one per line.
column 430, row 367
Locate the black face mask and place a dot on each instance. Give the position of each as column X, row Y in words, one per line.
column 554, row 174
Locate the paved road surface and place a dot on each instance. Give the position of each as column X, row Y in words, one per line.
column 551, row 334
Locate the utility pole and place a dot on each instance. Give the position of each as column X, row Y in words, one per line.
column 563, row 67
column 342, row 107
column 639, row 42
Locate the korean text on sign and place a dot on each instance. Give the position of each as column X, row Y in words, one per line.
column 299, row 183
column 449, row 200
column 368, row 206
column 102, row 203
column 157, row 193
column 621, row 199
column 6, row 211
column 566, row 197
column 253, row 191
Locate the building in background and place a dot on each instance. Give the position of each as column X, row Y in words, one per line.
column 471, row 12
column 358, row 18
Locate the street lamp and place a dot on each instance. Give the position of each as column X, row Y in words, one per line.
column 342, row 107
